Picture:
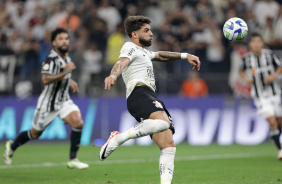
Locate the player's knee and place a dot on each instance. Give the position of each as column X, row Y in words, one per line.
column 273, row 126
column 78, row 124
column 266, row 113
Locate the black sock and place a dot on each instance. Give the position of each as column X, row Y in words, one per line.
column 75, row 141
column 22, row 138
column 275, row 135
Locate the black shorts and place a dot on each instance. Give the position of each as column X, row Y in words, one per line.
column 142, row 102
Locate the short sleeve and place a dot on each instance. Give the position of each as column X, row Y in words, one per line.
column 48, row 66
column 127, row 51
column 243, row 65
column 152, row 55
column 276, row 61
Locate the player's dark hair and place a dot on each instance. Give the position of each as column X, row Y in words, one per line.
column 255, row 34
column 56, row 32
column 134, row 23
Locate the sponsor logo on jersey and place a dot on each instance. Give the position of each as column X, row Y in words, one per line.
column 130, row 51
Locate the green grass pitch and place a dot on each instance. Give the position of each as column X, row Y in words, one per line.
column 42, row 162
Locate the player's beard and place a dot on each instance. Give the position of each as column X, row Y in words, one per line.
column 146, row 43
column 63, row 50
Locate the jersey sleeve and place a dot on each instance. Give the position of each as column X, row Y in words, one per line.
column 276, row 61
column 48, row 66
column 152, row 55
column 243, row 65
column 127, row 51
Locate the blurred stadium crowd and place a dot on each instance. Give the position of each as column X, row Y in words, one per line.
column 97, row 35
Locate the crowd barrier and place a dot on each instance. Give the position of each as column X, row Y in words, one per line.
column 197, row 121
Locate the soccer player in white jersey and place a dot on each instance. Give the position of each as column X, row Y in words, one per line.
column 54, row 100
column 135, row 65
column 264, row 67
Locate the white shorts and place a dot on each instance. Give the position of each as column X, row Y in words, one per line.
column 270, row 106
column 43, row 118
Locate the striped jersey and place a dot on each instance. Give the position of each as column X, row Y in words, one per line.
column 139, row 71
column 260, row 67
column 55, row 93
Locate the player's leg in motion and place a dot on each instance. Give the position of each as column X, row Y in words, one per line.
column 279, row 122
column 21, row 139
column 75, row 120
column 168, row 149
column 146, row 127
column 275, row 134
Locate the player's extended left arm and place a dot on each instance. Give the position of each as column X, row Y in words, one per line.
column 269, row 79
column 163, row 56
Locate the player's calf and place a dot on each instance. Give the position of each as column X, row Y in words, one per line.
column 166, row 164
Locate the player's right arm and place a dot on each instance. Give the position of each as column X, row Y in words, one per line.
column 49, row 78
column 245, row 78
column 243, row 74
column 116, row 71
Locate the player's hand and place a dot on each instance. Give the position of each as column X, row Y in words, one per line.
column 249, row 81
column 69, row 67
column 269, row 79
column 194, row 61
column 109, row 81
column 74, row 86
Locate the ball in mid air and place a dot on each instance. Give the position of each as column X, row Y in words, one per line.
column 235, row 29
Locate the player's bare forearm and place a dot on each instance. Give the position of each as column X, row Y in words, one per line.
column 270, row 79
column 278, row 71
column 242, row 74
column 163, row 56
column 119, row 66
column 116, row 71
column 47, row 78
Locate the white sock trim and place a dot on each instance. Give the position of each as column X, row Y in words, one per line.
column 274, row 132
column 77, row 129
column 29, row 135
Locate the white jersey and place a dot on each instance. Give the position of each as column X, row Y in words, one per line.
column 55, row 93
column 139, row 71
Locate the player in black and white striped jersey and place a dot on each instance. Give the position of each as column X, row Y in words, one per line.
column 54, row 100
column 55, row 93
column 260, row 68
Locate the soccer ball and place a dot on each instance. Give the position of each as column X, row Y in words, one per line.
column 235, row 29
